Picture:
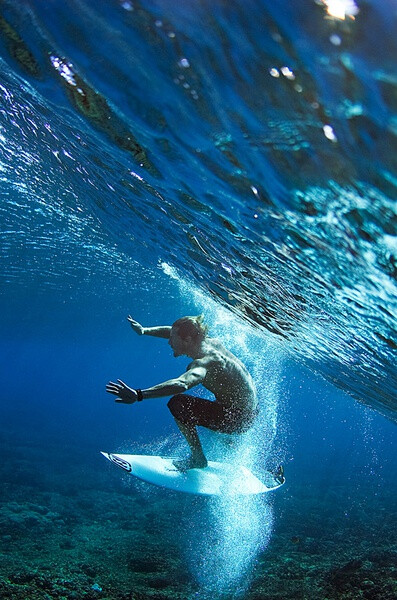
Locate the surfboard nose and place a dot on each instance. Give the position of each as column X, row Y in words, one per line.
column 118, row 460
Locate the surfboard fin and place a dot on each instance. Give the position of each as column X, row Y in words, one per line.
column 279, row 475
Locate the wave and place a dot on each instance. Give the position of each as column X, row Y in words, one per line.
column 249, row 145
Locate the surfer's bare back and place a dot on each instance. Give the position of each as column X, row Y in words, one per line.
column 235, row 406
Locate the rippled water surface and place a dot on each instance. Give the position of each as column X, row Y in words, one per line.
column 251, row 145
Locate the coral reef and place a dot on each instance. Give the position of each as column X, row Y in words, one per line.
column 88, row 532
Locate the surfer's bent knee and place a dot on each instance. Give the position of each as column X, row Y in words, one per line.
column 175, row 404
column 178, row 406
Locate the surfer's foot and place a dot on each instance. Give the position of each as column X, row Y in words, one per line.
column 279, row 475
column 190, row 463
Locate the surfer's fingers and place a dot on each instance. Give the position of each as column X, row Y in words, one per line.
column 113, row 389
column 122, row 383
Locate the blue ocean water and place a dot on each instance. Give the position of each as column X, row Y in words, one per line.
column 235, row 159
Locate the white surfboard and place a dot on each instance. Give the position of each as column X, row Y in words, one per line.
column 215, row 480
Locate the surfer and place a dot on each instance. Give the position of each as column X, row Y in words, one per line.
column 218, row 370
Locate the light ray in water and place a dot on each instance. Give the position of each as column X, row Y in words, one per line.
column 228, row 532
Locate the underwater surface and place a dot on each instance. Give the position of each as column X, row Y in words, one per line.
column 236, row 159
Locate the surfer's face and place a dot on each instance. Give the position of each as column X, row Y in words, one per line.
column 178, row 344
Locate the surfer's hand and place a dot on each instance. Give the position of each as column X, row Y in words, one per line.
column 124, row 394
column 137, row 327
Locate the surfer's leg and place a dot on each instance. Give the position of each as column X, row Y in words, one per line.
column 182, row 409
column 197, row 459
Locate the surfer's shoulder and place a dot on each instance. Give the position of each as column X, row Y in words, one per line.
column 212, row 358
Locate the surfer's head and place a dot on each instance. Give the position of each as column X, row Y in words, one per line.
column 187, row 332
column 191, row 327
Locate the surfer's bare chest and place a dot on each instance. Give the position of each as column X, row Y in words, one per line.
column 221, row 378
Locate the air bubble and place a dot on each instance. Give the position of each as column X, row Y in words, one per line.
column 286, row 71
column 335, row 39
column 329, row 133
column 184, row 63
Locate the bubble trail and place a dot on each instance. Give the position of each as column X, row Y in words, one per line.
column 228, row 532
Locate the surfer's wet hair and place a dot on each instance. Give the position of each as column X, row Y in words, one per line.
column 193, row 327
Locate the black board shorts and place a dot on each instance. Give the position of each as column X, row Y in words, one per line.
column 191, row 410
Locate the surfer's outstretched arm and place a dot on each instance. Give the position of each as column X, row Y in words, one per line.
column 187, row 380
column 162, row 331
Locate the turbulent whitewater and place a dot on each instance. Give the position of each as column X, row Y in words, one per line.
column 252, row 145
